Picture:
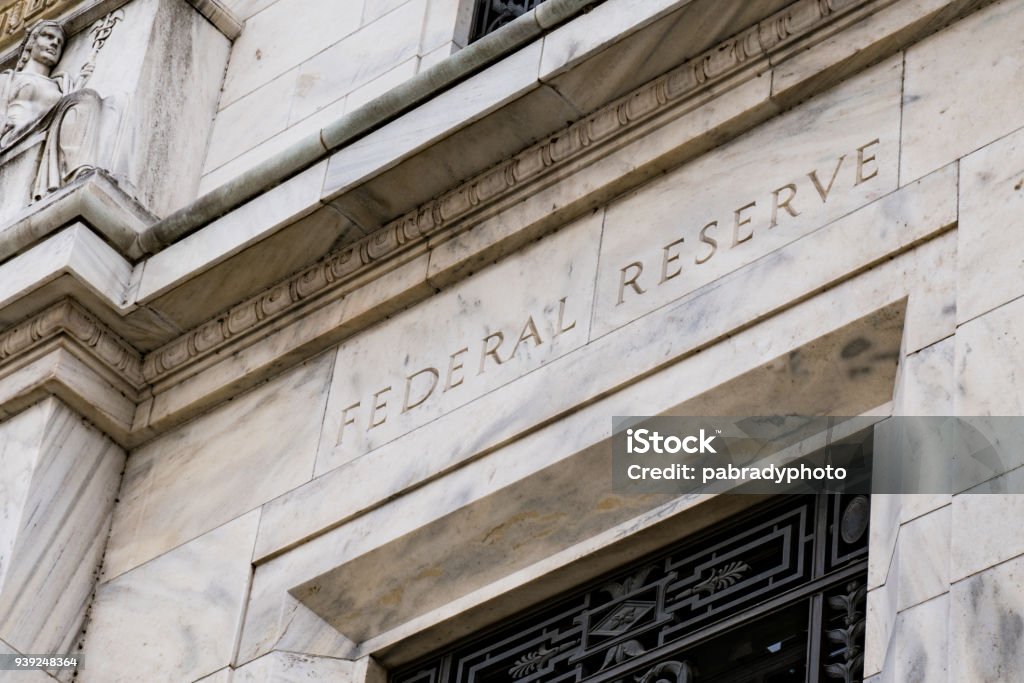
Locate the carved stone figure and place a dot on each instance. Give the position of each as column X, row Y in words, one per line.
column 38, row 104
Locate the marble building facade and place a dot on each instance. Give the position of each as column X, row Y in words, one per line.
column 314, row 314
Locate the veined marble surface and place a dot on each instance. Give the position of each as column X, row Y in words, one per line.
column 219, row 466
column 176, row 617
column 58, row 480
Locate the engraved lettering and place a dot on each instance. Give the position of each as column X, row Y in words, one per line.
column 739, row 222
column 785, row 204
column 823, row 192
column 493, row 353
column 454, row 365
column 708, row 240
column 668, row 258
column 434, row 377
column 529, row 332
column 631, row 281
column 863, row 160
column 562, row 328
column 378, row 405
column 346, row 420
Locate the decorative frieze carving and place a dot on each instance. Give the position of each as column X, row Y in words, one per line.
column 66, row 317
column 15, row 15
column 453, row 208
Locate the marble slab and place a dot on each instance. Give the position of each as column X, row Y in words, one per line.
column 274, row 619
column 986, row 625
column 986, row 347
column 921, row 644
column 990, row 262
column 238, row 456
column 174, row 618
column 484, row 332
column 358, row 58
column 744, row 200
column 20, row 437
column 288, row 667
column 926, row 382
column 948, row 114
column 985, row 531
column 281, row 36
column 64, row 493
column 923, row 547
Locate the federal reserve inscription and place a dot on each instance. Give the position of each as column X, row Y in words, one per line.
column 696, row 247
column 749, row 199
column 485, row 332
column 677, row 234
column 487, row 352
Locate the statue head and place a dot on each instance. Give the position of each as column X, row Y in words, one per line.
column 44, row 43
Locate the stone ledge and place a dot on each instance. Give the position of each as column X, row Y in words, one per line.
column 96, row 200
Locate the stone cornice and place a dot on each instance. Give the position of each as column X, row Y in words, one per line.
column 68, row 318
column 452, row 210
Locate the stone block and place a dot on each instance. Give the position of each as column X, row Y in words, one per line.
column 986, row 628
column 382, row 84
column 990, row 262
column 989, row 349
column 447, row 21
column 926, row 381
column 60, row 478
column 357, row 59
column 923, row 566
column 985, row 528
column 240, row 455
column 281, row 37
column 251, row 119
column 738, row 203
column 921, row 644
column 508, row 80
column 174, row 618
column 960, row 88
column 502, row 323
column 267, row 213
column 41, row 450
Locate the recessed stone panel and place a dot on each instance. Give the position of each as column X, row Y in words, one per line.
column 751, row 197
column 479, row 335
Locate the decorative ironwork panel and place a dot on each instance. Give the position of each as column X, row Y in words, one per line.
column 767, row 597
column 490, row 15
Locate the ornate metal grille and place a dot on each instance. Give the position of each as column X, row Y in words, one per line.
column 490, row 15
column 774, row 596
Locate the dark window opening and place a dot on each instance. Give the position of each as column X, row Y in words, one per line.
column 490, row 15
column 774, row 595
